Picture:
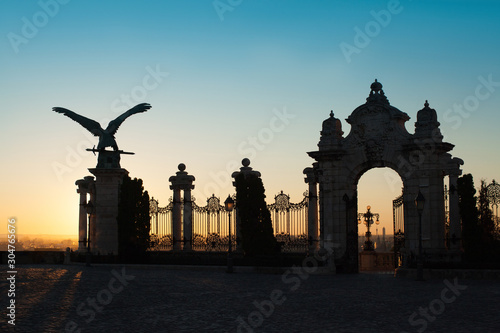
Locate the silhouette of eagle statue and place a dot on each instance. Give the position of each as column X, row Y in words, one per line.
column 106, row 136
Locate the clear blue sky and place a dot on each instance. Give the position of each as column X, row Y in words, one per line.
column 221, row 73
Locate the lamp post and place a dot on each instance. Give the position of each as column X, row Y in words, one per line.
column 90, row 207
column 368, row 221
column 419, row 203
column 229, row 205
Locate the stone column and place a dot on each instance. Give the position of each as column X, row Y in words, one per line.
column 188, row 220
column 433, row 217
column 106, row 198
column 312, row 210
column 176, row 219
column 455, row 225
column 182, row 181
column 93, row 217
column 411, row 218
column 237, row 227
column 82, row 216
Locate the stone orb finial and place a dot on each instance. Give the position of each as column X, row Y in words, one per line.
column 245, row 162
column 181, row 167
column 376, row 86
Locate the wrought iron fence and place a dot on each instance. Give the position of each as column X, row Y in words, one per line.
column 211, row 225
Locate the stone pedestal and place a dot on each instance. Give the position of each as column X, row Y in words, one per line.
column 107, row 195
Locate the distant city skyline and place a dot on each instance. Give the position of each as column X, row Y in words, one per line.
column 252, row 80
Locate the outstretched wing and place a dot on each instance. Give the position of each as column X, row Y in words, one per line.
column 115, row 124
column 93, row 126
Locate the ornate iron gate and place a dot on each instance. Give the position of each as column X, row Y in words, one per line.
column 161, row 226
column 211, row 226
column 290, row 223
column 399, row 229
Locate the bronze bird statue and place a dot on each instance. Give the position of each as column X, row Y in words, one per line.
column 106, row 136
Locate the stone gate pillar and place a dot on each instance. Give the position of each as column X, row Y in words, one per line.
column 82, row 215
column 454, row 214
column 188, row 220
column 93, row 217
column 106, row 198
column 237, row 231
column 176, row 219
column 312, row 209
column 182, row 181
column 332, row 185
column 248, row 172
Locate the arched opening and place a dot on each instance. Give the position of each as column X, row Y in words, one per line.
column 377, row 188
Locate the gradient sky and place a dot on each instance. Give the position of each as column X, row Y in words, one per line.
column 222, row 74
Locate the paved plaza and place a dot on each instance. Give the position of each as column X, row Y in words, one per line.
column 116, row 298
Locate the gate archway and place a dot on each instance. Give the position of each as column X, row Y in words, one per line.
column 378, row 138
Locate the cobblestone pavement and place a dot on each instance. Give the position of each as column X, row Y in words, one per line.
column 113, row 298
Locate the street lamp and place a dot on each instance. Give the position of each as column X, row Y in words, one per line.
column 229, row 205
column 368, row 221
column 419, row 203
column 90, row 208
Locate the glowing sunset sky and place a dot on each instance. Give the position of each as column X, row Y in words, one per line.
column 251, row 79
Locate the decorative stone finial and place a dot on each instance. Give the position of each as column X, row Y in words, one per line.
column 377, row 94
column 427, row 124
column 331, row 132
column 181, row 180
column 376, row 86
column 245, row 170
